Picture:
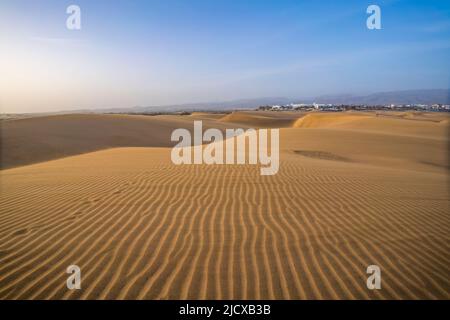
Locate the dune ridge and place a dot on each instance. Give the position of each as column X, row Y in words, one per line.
column 262, row 119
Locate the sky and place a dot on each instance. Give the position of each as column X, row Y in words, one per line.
column 148, row 53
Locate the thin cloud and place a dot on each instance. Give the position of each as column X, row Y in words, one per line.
column 58, row 41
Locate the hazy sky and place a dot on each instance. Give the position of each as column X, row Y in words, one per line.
column 145, row 53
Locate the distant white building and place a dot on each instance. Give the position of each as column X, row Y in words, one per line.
column 299, row 105
column 318, row 105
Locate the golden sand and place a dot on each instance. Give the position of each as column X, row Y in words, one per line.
column 353, row 190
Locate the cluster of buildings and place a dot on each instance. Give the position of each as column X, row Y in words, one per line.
column 344, row 107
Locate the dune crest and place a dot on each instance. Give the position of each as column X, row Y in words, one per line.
column 327, row 120
column 261, row 119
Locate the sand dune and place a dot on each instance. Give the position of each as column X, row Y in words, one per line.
column 433, row 126
column 206, row 116
column 262, row 119
column 32, row 140
column 140, row 227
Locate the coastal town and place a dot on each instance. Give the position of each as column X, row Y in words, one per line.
column 345, row 107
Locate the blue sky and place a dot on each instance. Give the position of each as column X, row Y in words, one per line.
column 145, row 53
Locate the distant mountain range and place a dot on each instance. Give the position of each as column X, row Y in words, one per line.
column 394, row 97
column 426, row 96
column 204, row 106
